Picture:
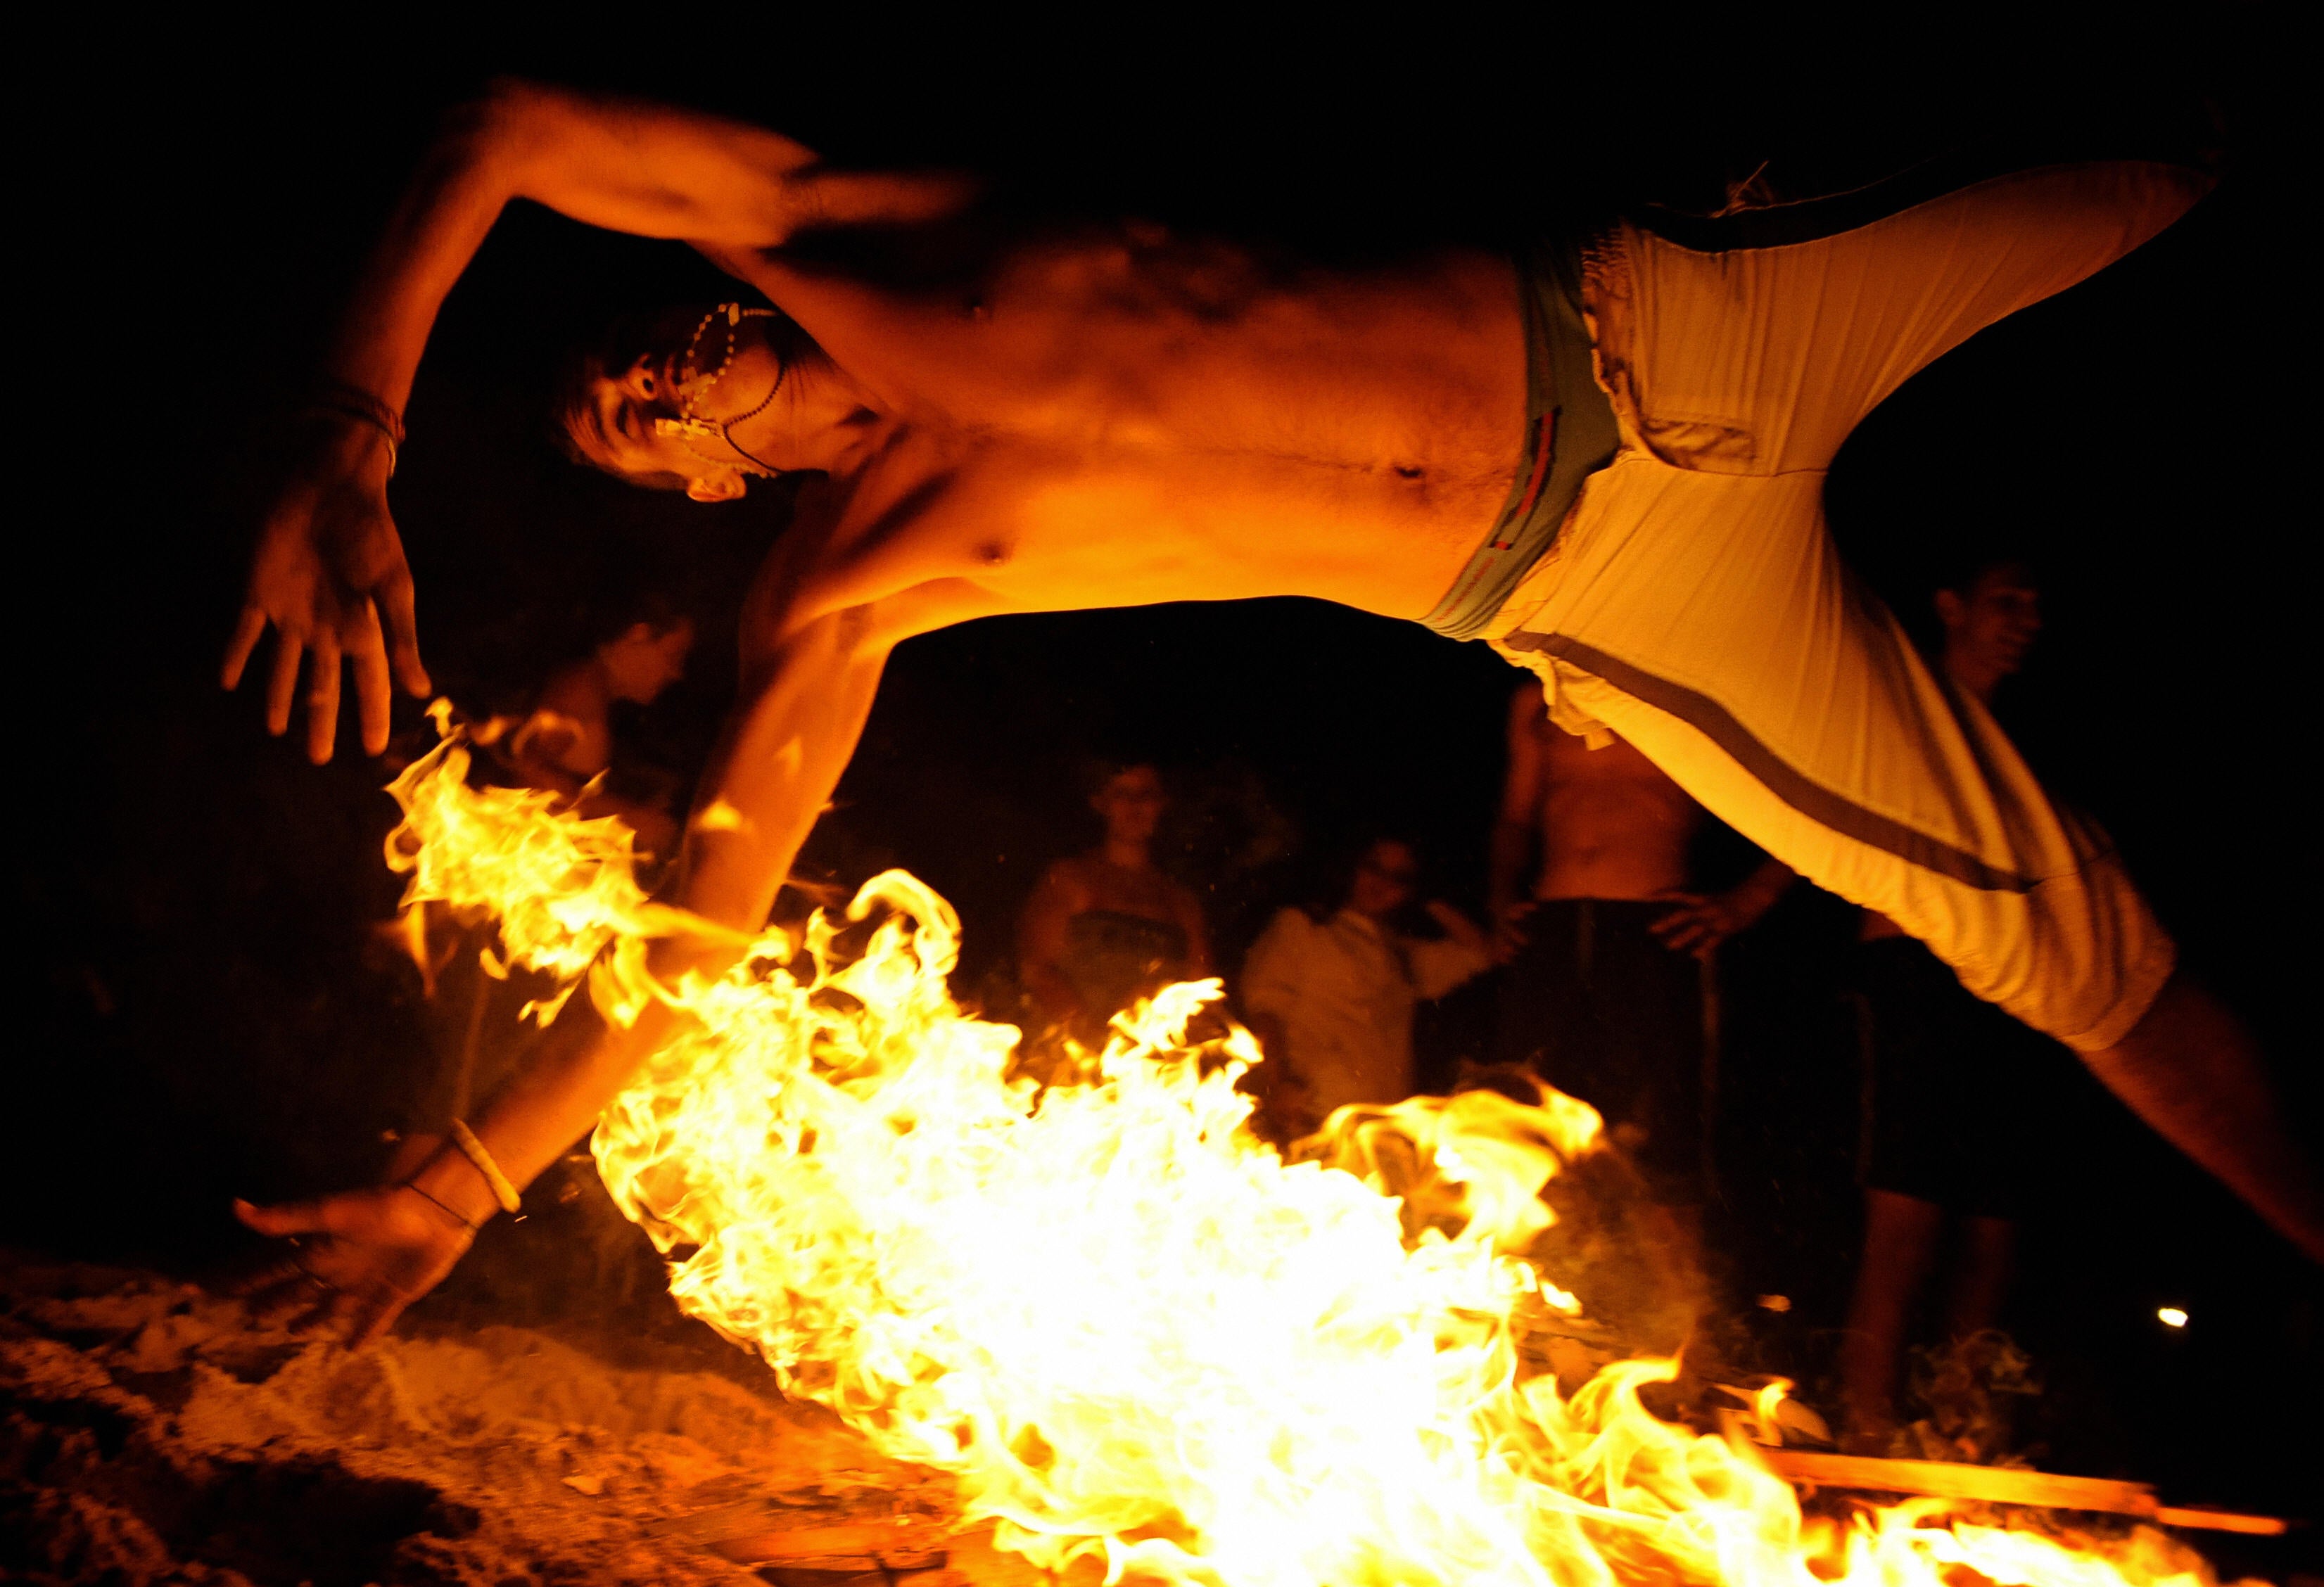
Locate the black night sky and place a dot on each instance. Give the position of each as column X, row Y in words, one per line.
column 209, row 1014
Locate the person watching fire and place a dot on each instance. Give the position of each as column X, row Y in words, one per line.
column 1609, row 953
column 1107, row 928
column 1330, row 998
column 1604, row 455
column 1945, row 1140
column 566, row 742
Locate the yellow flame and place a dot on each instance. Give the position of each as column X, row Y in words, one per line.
column 1137, row 1335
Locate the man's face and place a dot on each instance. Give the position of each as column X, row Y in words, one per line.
column 1385, row 881
column 630, row 423
column 1130, row 804
column 1993, row 623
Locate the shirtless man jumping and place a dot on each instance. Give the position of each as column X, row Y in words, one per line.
column 1607, row 460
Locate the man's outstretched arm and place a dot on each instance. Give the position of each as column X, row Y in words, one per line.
column 808, row 691
column 328, row 572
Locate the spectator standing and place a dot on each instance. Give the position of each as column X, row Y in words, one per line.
column 1332, row 1000
column 1609, row 993
column 1949, row 1134
column 566, row 741
column 1107, row 928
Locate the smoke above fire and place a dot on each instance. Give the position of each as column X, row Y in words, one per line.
column 1135, row 1333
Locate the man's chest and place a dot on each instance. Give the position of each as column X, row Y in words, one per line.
column 1051, row 528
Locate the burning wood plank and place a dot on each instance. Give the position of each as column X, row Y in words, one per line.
column 819, row 1544
column 2004, row 1485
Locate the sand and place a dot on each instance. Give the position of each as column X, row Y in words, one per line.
column 153, row 1432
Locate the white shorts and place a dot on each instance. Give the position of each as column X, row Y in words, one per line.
column 1692, row 602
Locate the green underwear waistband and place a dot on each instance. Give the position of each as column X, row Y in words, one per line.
column 1570, row 435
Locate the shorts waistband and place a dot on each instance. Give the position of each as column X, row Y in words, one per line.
column 1570, row 434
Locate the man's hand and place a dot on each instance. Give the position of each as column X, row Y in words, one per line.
column 327, row 569
column 1700, row 922
column 1508, row 928
column 1459, row 927
column 356, row 1260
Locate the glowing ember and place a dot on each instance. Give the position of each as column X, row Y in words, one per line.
column 2171, row 1316
column 1134, row 1332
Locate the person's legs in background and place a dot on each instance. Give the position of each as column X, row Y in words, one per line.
column 1900, row 1246
column 1650, row 1002
column 1944, row 1175
column 1982, row 1264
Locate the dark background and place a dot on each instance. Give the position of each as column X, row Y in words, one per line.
column 208, row 1013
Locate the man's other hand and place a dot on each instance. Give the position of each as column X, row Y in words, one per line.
column 353, row 1261
column 1699, row 922
column 328, row 574
column 1509, row 929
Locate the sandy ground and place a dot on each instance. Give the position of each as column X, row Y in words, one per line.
column 154, row 1431
column 151, row 1433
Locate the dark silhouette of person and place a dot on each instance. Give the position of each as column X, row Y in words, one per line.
column 1949, row 1139
column 1609, row 950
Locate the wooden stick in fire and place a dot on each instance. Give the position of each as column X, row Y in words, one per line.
column 2004, row 1485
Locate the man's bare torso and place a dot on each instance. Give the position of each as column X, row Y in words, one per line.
column 1612, row 826
column 1350, row 437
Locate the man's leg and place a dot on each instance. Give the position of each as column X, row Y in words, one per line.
column 1981, row 1272
column 2190, row 1070
column 1650, row 1007
column 1650, row 1003
column 1756, row 359
column 1541, row 998
column 1694, row 605
column 1705, row 619
column 1900, row 1242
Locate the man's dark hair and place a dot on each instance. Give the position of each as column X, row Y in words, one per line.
column 1095, row 773
column 1963, row 578
column 1332, row 878
column 651, row 608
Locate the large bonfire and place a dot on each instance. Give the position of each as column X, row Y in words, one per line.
column 1135, row 1333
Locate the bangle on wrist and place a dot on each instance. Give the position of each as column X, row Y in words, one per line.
column 503, row 1192
column 341, row 400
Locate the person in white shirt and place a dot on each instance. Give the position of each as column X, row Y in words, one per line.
column 1332, row 1002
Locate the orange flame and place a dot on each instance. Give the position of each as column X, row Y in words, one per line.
column 1134, row 1332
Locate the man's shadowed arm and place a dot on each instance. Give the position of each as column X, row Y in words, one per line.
column 809, row 680
column 328, row 572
